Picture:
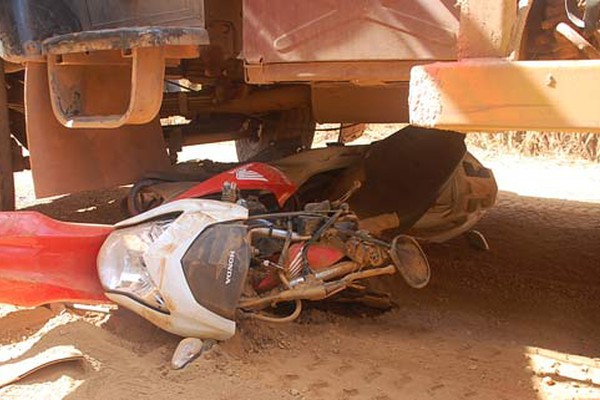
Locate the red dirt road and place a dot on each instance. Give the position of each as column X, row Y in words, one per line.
column 503, row 324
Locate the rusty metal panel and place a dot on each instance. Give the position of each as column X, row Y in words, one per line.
column 486, row 28
column 102, row 14
column 334, row 102
column 279, row 31
column 7, row 185
column 367, row 72
column 67, row 160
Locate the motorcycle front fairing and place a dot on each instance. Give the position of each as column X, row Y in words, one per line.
column 179, row 267
column 46, row 261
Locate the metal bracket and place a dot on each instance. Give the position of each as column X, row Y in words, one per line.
column 114, row 77
column 590, row 16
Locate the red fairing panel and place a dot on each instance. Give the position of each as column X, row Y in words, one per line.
column 319, row 256
column 47, row 261
column 251, row 176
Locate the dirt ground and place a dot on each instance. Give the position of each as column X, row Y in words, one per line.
column 521, row 321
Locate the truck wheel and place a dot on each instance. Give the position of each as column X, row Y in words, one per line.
column 351, row 132
column 281, row 134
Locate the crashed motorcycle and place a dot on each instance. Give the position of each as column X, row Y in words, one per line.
column 257, row 240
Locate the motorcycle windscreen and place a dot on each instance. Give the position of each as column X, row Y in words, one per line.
column 216, row 265
column 403, row 174
column 45, row 261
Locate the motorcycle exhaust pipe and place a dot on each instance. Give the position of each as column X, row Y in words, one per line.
column 335, row 271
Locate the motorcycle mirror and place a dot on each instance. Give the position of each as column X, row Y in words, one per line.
column 410, row 261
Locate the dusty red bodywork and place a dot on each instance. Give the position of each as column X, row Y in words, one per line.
column 251, row 176
column 319, row 256
column 47, row 261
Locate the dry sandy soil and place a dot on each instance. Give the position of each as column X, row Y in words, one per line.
column 521, row 321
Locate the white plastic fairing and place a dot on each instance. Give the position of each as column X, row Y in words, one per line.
column 183, row 315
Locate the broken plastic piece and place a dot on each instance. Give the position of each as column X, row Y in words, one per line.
column 188, row 350
column 12, row 372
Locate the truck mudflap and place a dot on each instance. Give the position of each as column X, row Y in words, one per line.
column 64, row 160
column 45, row 261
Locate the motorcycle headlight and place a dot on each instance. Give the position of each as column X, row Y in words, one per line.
column 122, row 268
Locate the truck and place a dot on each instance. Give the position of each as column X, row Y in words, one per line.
column 99, row 92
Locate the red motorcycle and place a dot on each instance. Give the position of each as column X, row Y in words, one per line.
column 256, row 240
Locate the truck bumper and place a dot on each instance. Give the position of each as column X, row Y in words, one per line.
column 499, row 95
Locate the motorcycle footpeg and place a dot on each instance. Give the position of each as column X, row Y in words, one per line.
column 410, row 261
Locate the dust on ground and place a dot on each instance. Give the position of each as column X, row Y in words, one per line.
column 502, row 324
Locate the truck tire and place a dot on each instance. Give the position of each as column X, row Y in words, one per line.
column 351, row 132
column 282, row 134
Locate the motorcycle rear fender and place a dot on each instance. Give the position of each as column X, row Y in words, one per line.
column 46, row 261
